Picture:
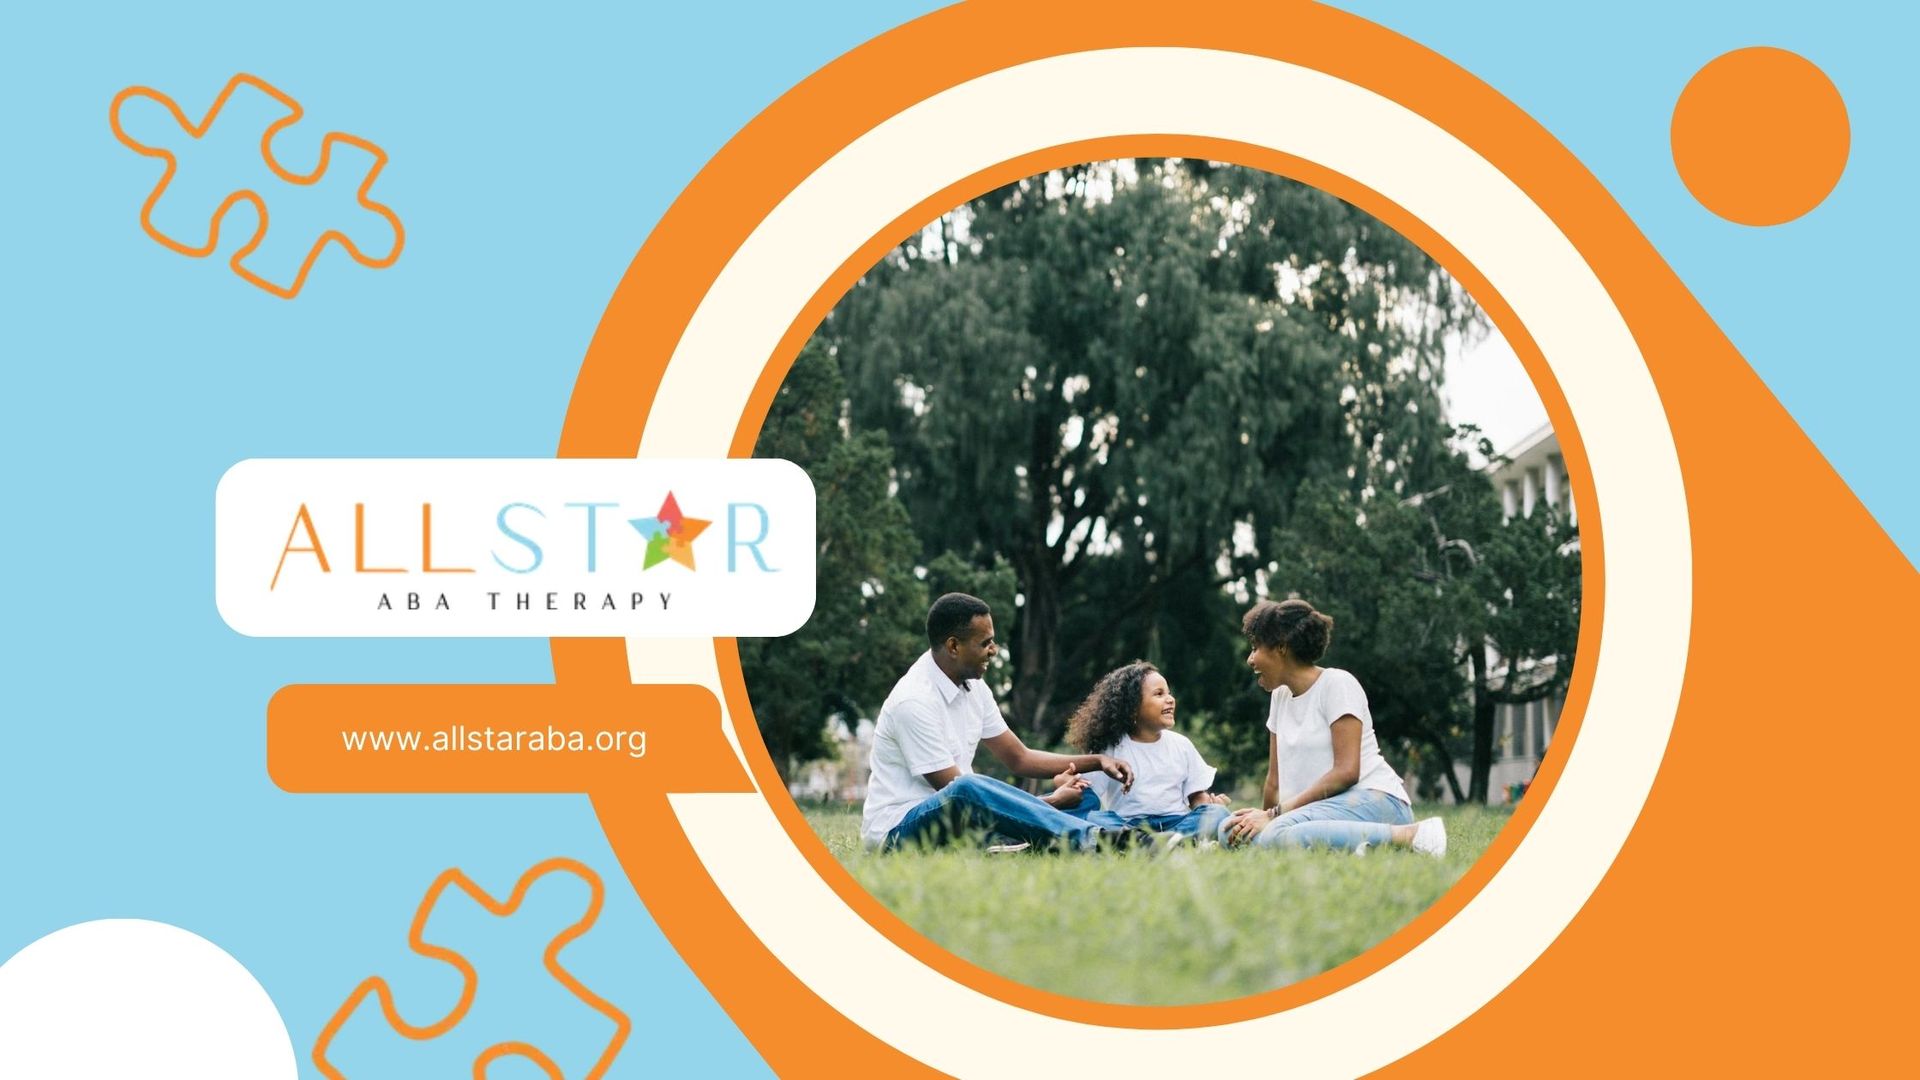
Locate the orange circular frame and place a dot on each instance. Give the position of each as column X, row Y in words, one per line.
column 1395, row 945
column 720, row 208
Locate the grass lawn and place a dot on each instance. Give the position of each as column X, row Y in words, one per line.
column 1193, row 926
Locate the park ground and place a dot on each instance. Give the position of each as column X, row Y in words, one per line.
column 1183, row 928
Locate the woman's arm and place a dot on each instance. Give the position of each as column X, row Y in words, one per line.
column 1246, row 824
column 1344, row 774
column 1270, row 791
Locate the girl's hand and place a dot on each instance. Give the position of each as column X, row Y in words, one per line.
column 1066, row 798
column 1067, row 790
column 1245, row 824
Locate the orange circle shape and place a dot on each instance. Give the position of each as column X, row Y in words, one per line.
column 1760, row 136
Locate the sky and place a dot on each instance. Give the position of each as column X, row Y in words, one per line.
column 1486, row 385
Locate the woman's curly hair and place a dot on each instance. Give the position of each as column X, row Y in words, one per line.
column 1108, row 714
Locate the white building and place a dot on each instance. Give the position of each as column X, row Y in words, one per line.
column 1533, row 473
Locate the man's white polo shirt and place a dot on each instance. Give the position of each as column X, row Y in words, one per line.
column 926, row 725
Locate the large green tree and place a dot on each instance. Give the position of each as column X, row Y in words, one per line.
column 1442, row 607
column 1123, row 401
column 869, row 607
column 1528, row 574
column 1116, row 378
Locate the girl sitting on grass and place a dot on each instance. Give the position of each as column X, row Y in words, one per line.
column 1130, row 716
column 1327, row 785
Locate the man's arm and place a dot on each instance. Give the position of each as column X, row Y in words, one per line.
column 1067, row 787
column 1022, row 760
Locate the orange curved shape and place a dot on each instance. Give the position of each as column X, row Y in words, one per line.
column 470, row 980
column 1673, row 945
column 296, row 111
column 516, row 1049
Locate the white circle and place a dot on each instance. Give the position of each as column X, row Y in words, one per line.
column 128, row 997
column 1635, row 471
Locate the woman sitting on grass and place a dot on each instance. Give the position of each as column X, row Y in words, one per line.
column 1129, row 716
column 1327, row 784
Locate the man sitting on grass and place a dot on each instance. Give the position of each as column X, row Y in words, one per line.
column 923, row 789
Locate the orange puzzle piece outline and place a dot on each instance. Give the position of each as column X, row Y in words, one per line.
column 266, row 153
column 470, row 980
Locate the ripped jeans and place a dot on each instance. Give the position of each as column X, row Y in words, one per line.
column 1346, row 821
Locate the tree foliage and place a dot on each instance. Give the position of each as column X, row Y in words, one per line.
column 1115, row 380
column 1124, row 400
column 1431, row 595
column 869, row 609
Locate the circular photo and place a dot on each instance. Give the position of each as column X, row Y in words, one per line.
column 1198, row 578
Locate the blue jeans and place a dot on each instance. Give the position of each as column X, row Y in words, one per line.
column 1346, row 821
column 983, row 805
column 1201, row 822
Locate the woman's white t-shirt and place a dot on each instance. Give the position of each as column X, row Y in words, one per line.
column 1304, row 727
column 1165, row 772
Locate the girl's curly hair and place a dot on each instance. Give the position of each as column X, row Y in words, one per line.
column 1108, row 714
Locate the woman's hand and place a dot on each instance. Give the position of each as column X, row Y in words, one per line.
column 1245, row 824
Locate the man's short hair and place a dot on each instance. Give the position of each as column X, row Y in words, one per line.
column 951, row 615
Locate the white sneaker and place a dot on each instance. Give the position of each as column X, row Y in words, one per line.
column 1430, row 837
column 1008, row 849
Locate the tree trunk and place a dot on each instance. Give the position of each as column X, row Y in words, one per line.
column 1481, row 770
column 1439, row 746
column 1036, row 654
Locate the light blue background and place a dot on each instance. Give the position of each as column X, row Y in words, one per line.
column 1819, row 305
column 531, row 154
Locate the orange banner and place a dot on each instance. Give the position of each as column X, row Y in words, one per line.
column 521, row 738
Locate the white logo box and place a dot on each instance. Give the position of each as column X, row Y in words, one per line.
column 753, row 572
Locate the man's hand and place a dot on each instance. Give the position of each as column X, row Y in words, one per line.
column 1211, row 799
column 1119, row 770
column 1245, row 824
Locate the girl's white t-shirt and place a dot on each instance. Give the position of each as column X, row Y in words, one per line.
column 1304, row 727
column 1165, row 772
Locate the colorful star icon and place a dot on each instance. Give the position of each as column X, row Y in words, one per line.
column 669, row 534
